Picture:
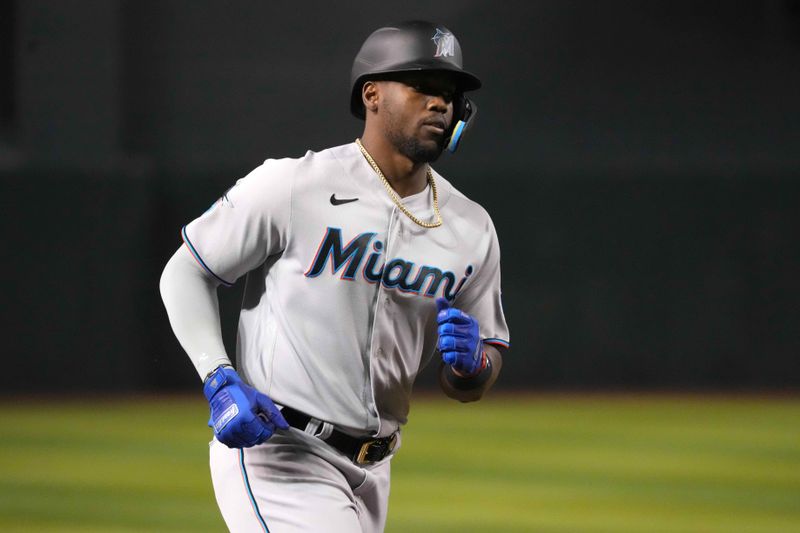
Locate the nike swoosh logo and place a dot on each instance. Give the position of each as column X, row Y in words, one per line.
column 338, row 201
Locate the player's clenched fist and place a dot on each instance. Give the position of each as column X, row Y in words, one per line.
column 459, row 339
column 240, row 415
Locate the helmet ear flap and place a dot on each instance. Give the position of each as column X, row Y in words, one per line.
column 464, row 111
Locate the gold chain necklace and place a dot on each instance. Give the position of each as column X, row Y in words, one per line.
column 396, row 199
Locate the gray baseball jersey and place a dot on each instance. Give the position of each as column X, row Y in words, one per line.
column 338, row 315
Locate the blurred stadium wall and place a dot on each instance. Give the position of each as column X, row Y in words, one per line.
column 641, row 161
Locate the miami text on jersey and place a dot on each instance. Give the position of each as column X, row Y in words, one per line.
column 394, row 274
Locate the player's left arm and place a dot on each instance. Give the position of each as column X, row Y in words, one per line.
column 470, row 365
column 471, row 389
column 473, row 334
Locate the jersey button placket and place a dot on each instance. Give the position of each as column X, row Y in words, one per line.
column 393, row 236
column 381, row 310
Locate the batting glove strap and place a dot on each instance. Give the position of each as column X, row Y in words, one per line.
column 484, row 362
column 216, row 380
column 461, row 382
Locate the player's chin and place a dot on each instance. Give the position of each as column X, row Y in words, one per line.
column 430, row 148
column 421, row 148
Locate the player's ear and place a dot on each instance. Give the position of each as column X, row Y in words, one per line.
column 370, row 93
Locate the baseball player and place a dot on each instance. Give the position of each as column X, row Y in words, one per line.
column 362, row 263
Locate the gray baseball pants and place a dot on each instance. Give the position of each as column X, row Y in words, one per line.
column 296, row 483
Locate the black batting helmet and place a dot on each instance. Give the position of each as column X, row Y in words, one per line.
column 408, row 47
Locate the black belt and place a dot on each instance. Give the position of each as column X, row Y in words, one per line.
column 360, row 451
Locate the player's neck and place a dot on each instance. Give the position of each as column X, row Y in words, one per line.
column 405, row 176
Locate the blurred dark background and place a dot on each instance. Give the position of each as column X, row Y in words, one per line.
column 641, row 161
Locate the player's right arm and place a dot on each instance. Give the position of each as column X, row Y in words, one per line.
column 249, row 223
column 246, row 225
column 190, row 297
column 240, row 415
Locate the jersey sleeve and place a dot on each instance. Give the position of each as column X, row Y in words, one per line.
column 482, row 295
column 249, row 223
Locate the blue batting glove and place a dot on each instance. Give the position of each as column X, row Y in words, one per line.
column 240, row 415
column 460, row 340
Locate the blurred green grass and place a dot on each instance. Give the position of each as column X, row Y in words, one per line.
column 544, row 463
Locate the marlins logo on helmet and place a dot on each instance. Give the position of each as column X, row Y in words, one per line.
column 445, row 43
